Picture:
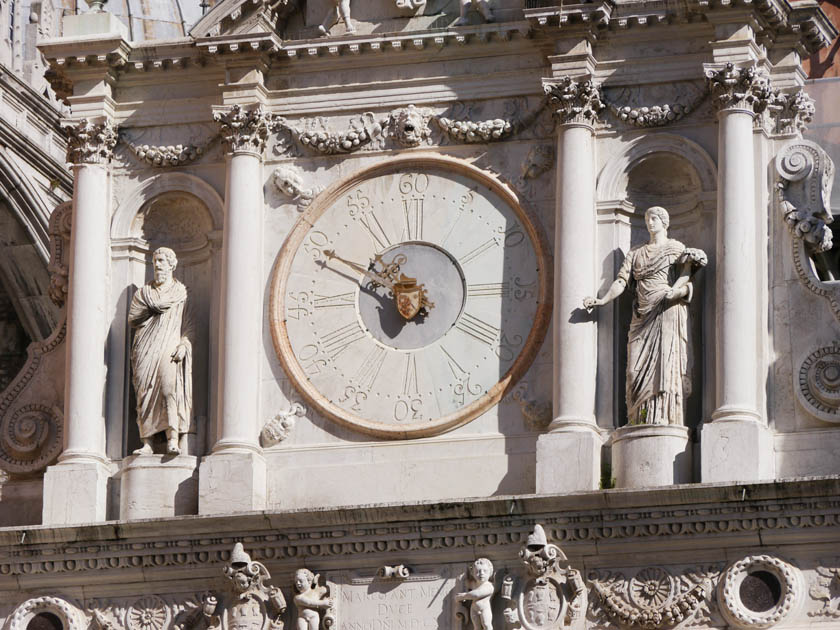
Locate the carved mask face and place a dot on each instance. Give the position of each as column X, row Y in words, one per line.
column 241, row 581
column 411, row 127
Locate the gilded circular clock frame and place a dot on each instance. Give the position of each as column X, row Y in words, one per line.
column 286, row 256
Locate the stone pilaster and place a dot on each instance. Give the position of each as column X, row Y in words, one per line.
column 737, row 444
column 569, row 455
column 75, row 488
column 233, row 477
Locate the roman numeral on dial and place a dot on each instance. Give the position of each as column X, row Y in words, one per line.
column 477, row 329
column 337, row 341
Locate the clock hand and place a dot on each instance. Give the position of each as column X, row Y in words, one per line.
column 329, row 253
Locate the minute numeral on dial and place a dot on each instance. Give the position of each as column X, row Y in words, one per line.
column 478, row 329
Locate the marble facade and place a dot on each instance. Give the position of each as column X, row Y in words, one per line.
column 387, row 234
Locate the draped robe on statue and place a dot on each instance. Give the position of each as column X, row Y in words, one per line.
column 658, row 346
column 157, row 314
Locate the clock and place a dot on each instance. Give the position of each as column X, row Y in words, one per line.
column 409, row 298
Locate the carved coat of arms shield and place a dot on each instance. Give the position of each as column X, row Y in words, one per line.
column 541, row 604
column 246, row 614
column 408, row 297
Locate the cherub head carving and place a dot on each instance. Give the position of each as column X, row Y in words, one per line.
column 538, row 554
column 244, row 573
column 410, row 125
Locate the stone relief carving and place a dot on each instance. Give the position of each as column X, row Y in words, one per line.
column 540, row 160
column 169, row 155
column 795, row 112
column 826, row 591
column 243, row 130
column 147, row 613
column 59, row 265
column 482, row 7
column 806, row 175
column 745, row 614
column 658, row 377
column 652, row 598
column 574, row 101
column 315, row 604
column 409, row 126
column 469, row 131
column 90, row 143
column 248, row 603
column 742, row 88
column 819, row 383
column 476, row 600
column 288, row 179
column 71, row 617
column 278, row 428
column 394, row 572
column 339, row 11
column 161, row 357
column 312, row 133
column 552, row 595
column 622, row 104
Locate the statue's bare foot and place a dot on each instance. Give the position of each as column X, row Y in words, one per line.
column 172, row 447
column 350, row 28
column 323, row 31
column 146, row 449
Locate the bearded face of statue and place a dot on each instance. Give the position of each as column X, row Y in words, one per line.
column 163, row 268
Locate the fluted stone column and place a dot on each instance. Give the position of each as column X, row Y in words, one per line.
column 233, row 477
column 569, row 454
column 75, row 489
column 737, row 444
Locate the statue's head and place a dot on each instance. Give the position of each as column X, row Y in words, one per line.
column 304, row 580
column 481, row 570
column 288, row 180
column 657, row 212
column 164, row 262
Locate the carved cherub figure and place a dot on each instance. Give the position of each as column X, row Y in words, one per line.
column 482, row 6
column 480, row 593
column 341, row 11
column 311, row 598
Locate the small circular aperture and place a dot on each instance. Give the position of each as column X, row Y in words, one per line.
column 760, row 591
column 45, row 621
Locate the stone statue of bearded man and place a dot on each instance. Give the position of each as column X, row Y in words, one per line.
column 161, row 357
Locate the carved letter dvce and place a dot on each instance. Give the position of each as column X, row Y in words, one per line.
column 247, row 604
column 552, row 596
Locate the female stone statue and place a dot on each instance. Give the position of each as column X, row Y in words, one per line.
column 658, row 347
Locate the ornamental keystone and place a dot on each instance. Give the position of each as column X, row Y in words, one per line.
column 243, row 131
column 574, row 101
column 90, row 143
column 741, row 88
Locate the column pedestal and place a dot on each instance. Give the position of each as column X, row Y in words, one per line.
column 230, row 482
column 75, row 492
column 158, row 486
column 569, row 459
column 650, row 455
column 736, row 450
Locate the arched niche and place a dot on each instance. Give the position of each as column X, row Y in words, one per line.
column 184, row 213
column 676, row 173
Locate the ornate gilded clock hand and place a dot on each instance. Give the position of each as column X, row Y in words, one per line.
column 385, row 282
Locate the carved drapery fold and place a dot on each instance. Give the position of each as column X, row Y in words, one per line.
column 243, row 131
column 90, row 143
column 574, row 102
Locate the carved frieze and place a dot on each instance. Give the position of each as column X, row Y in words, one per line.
column 278, row 428
column 652, row 598
column 573, row 101
column 243, row 130
column 90, row 143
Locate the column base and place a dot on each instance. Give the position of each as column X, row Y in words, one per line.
column 736, row 450
column 75, row 492
column 157, row 486
column 569, row 460
column 650, row 455
column 231, row 482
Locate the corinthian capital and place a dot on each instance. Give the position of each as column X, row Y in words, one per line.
column 243, row 131
column 574, row 101
column 741, row 88
column 90, row 143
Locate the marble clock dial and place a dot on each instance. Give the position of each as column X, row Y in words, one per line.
column 484, row 267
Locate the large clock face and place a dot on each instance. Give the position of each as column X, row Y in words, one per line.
column 429, row 232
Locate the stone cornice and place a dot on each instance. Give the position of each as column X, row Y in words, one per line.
column 672, row 518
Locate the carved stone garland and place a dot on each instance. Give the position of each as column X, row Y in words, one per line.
column 729, row 597
column 312, row 133
column 806, row 175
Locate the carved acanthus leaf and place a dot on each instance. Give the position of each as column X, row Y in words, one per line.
column 90, row 143
column 574, row 101
column 733, row 87
column 795, row 112
column 243, row 130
